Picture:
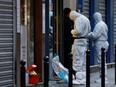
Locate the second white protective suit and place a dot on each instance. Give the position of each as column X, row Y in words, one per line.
column 100, row 38
column 79, row 47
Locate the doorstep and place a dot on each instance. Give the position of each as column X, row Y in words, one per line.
column 94, row 68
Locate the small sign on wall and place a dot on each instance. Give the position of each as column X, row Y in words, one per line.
column 23, row 43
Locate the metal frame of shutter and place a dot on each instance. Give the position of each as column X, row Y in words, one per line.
column 114, row 22
column 109, row 22
column 86, row 8
column 7, row 43
column 102, row 9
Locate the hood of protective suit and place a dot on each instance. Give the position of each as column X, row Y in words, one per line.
column 73, row 15
column 97, row 17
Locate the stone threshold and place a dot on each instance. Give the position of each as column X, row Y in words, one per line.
column 94, row 68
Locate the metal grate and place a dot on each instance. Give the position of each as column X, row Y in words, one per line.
column 115, row 22
column 86, row 8
column 6, row 43
column 102, row 9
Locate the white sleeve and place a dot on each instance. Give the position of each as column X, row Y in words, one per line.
column 96, row 32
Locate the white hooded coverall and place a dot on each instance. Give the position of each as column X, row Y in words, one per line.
column 100, row 37
column 79, row 47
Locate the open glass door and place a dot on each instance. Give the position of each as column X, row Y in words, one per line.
column 55, row 31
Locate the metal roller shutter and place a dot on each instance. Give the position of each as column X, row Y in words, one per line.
column 115, row 22
column 6, row 43
column 102, row 9
column 86, row 8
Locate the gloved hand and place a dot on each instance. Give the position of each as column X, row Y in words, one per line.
column 89, row 35
column 74, row 32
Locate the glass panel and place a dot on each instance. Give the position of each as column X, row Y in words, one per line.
column 55, row 31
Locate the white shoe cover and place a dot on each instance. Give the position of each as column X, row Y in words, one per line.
column 81, row 78
column 80, row 82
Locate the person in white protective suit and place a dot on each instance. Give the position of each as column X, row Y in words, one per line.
column 100, row 37
column 80, row 32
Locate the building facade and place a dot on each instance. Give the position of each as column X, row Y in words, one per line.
column 33, row 29
column 20, row 38
column 7, row 42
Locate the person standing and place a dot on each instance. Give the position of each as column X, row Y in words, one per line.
column 68, row 39
column 80, row 32
column 100, row 37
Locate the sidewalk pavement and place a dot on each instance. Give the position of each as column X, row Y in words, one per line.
column 93, row 76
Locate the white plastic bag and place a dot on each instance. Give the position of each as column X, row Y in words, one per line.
column 59, row 69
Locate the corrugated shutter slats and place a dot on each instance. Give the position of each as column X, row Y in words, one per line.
column 115, row 22
column 86, row 8
column 102, row 9
column 6, row 43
